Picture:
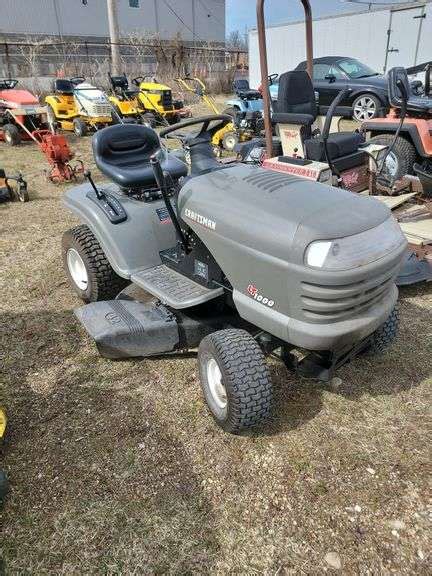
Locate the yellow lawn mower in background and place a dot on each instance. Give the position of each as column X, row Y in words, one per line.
column 125, row 101
column 227, row 137
column 156, row 99
column 78, row 106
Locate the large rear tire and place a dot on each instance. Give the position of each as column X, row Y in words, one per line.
column 87, row 267
column 235, row 379
column 402, row 157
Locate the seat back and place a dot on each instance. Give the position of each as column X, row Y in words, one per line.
column 296, row 94
column 120, row 82
column 241, row 85
column 395, row 95
column 124, row 146
column 63, row 86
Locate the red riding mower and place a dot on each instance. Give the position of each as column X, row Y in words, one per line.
column 18, row 109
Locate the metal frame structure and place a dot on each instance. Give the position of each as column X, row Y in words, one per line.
column 264, row 66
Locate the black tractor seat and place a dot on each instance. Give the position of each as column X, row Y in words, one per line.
column 415, row 104
column 122, row 152
column 339, row 144
column 296, row 104
column 243, row 90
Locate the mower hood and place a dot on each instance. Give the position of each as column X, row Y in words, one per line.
column 273, row 213
column 16, row 98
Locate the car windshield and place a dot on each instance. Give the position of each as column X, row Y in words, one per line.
column 356, row 69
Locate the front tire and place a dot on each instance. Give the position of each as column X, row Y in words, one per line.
column 11, row 135
column 385, row 335
column 88, row 269
column 402, row 157
column 229, row 141
column 366, row 107
column 235, row 379
column 80, row 127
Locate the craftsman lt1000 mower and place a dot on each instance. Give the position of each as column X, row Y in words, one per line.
column 241, row 262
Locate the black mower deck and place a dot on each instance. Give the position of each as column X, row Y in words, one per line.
column 173, row 288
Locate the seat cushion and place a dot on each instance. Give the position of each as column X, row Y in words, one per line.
column 123, row 151
column 339, row 144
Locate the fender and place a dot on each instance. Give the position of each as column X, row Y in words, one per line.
column 383, row 126
column 134, row 244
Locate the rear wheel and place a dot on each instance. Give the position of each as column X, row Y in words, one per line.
column 80, row 127
column 402, row 157
column 235, row 379
column 87, row 267
column 366, row 107
column 11, row 135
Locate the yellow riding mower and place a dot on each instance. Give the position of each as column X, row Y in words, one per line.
column 239, row 130
column 124, row 100
column 156, row 99
column 78, row 106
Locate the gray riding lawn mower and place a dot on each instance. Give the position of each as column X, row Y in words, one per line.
column 235, row 260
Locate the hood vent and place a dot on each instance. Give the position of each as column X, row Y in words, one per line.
column 271, row 181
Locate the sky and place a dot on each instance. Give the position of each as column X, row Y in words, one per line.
column 242, row 13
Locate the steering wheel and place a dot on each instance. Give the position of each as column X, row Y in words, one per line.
column 77, row 80
column 221, row 121
column 137, row 81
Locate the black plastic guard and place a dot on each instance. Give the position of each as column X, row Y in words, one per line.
column 127, row 328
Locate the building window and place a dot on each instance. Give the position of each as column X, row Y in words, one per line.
column 134, row 3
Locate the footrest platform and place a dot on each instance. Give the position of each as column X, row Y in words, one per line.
column 173, row 288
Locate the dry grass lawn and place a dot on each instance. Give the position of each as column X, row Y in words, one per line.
column 117, row 468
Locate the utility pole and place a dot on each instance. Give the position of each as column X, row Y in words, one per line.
column 114, row 36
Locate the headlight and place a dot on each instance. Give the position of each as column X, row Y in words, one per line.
column 357, row 250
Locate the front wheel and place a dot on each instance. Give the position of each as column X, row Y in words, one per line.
column 385, row 335
column 229, row 141
column 365, row 107
column 11, row 135
column 80, row 127
column 235, row 379
column 87, row 267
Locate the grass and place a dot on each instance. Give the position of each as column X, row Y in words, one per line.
column 117, row 468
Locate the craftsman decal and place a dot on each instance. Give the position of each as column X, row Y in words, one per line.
column 253, row 291
column 199, row 219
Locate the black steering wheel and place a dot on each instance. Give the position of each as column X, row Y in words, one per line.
column 77, row 80
column 221, row 121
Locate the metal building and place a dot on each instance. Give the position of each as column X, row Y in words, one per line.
column 381, row 38
column 193, row 20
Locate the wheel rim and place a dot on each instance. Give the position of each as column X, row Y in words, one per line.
column 364, row 108
column 77, row 269
column 216, row 387
column 391, row 164
column 8, row 137
column 230, row 142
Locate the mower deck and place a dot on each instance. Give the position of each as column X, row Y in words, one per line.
column 173, row 288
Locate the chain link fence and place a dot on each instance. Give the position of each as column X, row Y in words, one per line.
column 36, row 62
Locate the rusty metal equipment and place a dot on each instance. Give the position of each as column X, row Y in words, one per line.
column 264, row 66
column 58, row 154
column 56, row 150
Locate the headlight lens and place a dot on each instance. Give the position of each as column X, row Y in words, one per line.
column 357, row 250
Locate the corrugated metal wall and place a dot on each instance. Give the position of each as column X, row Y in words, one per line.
column 362, row 36
column 71, row 17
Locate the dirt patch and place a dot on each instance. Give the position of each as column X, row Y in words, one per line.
column 117, row 468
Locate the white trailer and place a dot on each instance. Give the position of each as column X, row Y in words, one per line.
column 381, row 38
